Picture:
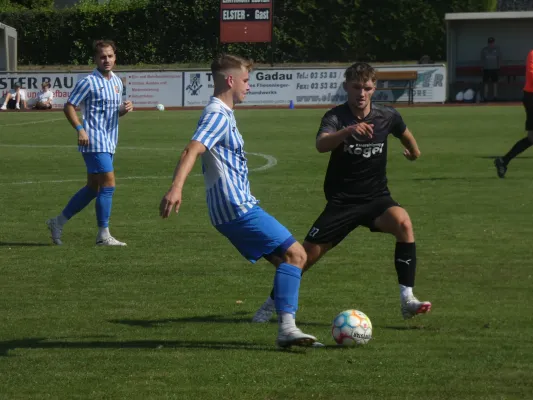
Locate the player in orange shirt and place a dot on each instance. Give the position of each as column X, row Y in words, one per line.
column 501, row 162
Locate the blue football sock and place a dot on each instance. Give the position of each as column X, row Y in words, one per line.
column 104, row 201
column 79, row 201
column 286, row 288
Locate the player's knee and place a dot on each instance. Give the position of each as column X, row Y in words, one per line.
column 530, row 136
column 296, row 255
column 93, row 184
column 405, row 226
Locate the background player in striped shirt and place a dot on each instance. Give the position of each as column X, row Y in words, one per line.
column 501, row 162
column 100, row 97
column 232, row 208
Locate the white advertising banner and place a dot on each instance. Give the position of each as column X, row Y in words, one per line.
column 61, row 85
column 147, row 89
column 318, row 86
column 268, row 87
column 144, row 89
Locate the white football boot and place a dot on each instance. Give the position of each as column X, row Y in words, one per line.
column 109, row 241
column 295, row 337
column 55, row 230
column 265, row 312
column 411, row 307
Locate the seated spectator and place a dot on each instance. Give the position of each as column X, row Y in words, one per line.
column 14, row 98
column 44, row 98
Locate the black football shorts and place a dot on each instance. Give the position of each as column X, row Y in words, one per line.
column 337, row 221
column 528, row 105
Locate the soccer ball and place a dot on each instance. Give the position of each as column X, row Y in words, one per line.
column 160, row 107
column 351, row 328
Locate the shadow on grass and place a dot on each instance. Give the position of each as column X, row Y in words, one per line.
column 456, row 178
column 71, row 344
column 407, row 327
column 23, row 244
column 236, row 318
column 494, row 157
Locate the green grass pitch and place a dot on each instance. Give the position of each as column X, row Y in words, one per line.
column 168, row 316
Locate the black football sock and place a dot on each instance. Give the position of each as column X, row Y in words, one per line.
column 518, row 148
column 405, row 262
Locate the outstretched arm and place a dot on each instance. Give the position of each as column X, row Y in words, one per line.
column 326, row 141
column 412, row 152
column 172, row 200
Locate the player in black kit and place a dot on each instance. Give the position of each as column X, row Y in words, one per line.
column 356, row 184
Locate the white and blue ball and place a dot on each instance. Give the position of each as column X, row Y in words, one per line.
column 351, row 328
column 160, row 107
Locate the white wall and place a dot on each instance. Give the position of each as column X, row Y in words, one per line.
column 515, row 38
column 467, row 38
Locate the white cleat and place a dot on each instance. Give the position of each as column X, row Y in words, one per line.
column 55, row 230
column 109, row 241
column 412, row 307
column 17, row 106
column 295, row 338
column 265, row 312
column 3, row 107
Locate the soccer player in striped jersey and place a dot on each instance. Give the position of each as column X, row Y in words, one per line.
column 100, row 97
column 232, row 208
column 501, row 163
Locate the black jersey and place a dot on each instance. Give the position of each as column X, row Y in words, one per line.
column 357, row 167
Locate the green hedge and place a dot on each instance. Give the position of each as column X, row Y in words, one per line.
column 176, row 31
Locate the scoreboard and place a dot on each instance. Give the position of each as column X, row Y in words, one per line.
column 245, row 21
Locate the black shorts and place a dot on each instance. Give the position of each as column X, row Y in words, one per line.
column 491, row 75
column 11, row 104
column 337, row 221
column 528, row 105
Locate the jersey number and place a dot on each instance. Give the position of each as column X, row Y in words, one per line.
column 313, row 232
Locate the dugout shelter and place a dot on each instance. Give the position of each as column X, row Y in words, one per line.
column 8, row 48
column 467, row 34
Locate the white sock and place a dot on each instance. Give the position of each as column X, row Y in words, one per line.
column 61, row 219
column 103, row 233
column 286, row 322
column 405, row 292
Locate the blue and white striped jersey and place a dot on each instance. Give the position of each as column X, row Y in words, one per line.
column 224, row 164
column 99, row 100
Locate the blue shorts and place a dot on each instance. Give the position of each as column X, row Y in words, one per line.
column 257, row 234
column 98, row 163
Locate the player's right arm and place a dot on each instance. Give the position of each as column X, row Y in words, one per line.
column 172, row 198
column 78, row 94
column 212, row 128
column 329, row 135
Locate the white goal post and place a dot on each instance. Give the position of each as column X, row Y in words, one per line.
column 8, row 48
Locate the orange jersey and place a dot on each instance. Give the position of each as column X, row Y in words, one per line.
column 529, row 73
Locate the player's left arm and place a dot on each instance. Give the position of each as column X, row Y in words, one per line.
column 400, row 130
column 529, row 66
column 125, row 108
column 411, row 152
